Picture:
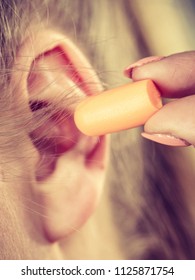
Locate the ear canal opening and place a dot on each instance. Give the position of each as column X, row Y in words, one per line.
column 37, row 105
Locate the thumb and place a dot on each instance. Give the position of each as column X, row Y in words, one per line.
column 173, row 74
column 174, row 124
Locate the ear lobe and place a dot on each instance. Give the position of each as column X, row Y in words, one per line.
column 69, row 196
column 71, row 168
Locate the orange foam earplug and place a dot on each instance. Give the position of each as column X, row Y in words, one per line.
column 118, row 109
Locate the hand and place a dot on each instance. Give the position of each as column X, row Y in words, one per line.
column 174, row 75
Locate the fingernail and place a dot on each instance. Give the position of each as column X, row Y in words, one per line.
column 128, row 71
column 166, row 139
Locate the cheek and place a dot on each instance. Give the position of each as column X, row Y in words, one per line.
column 11, row 233
column 20, row 233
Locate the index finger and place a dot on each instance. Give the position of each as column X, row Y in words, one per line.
column 174, row 75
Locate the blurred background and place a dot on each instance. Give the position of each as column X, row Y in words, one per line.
column 154, row 27
column 165, row 26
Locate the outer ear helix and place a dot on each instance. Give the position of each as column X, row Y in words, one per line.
column 71, row 170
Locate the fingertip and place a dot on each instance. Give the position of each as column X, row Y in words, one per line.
column 128, row 72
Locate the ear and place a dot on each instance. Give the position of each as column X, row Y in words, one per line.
column 70, row 167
